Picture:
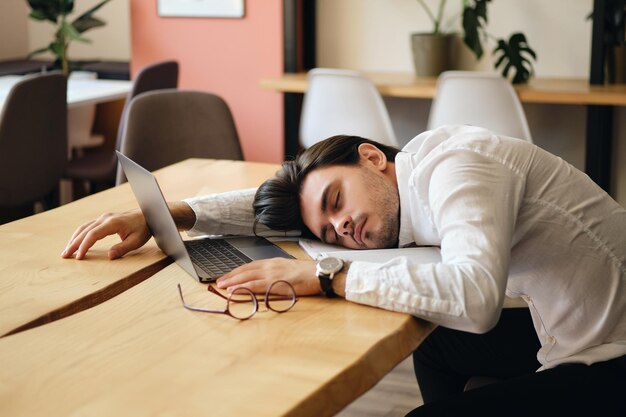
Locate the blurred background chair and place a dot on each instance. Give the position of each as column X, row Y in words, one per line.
column 479, row 99
column 343, row 102
column 33, row 145
column 168, row 126
column 96, row 169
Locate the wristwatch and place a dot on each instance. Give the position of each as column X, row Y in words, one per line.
column 325, row 271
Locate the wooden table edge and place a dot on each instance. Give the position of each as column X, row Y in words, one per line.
column 95, row 298
column 416, row 328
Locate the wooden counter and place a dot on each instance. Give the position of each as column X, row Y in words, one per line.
column 539, row 90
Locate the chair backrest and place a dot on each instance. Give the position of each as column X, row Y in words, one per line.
column 479, row 99
column 159, row 76
column 168, row 126
column 33, row 139
column 343, row 102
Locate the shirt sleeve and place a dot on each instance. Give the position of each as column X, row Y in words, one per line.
column 473, row 203
column 229, row 213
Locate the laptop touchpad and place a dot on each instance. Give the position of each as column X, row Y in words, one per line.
column 257, row 248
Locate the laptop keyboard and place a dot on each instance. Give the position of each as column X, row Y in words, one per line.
column 215, row 256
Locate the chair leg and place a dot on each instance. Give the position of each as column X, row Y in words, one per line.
column 52, row 200
column 97, row 186
column 80, row 189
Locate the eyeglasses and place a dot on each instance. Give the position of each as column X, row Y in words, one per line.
column 243, row 304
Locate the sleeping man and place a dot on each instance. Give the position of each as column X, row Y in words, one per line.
column 509, row 217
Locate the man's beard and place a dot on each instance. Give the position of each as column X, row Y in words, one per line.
column 384, row 196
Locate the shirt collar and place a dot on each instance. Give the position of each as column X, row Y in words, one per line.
column 405, row 163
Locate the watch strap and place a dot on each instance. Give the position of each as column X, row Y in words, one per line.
column 327, row 285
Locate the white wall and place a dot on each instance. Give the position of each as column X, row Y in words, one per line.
column 13, row 29
column 373, row 35
column 109, row 42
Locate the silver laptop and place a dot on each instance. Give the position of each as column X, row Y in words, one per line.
column 203, row 259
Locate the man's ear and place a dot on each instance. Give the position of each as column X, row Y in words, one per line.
column 370, row 154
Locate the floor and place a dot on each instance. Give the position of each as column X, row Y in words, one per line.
column 394, row 396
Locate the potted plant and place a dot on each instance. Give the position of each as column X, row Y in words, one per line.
column 432, row 52
column 57, row 11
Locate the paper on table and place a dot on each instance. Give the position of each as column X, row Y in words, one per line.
column 316, row 250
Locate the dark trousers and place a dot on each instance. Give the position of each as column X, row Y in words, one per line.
column 448, row 359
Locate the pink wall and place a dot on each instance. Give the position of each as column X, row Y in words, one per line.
column 227, row 57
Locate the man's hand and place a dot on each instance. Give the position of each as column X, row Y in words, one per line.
column 130, row 226
column 258, row 275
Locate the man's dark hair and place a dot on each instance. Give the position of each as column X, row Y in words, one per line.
column 277, row 201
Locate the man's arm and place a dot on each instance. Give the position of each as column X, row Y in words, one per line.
column 222, row 213
column 259, row 275
column 184, row 216
column 229, row 213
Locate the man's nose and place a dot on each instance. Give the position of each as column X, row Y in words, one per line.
column 343, row 225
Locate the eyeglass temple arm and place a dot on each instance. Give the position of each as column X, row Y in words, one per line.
column 192, row 308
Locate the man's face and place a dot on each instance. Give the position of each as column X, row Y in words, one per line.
column 353, row 206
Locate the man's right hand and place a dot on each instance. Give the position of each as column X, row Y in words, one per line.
column 130, row 226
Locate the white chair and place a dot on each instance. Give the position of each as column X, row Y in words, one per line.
column 479, row 99
column 343, row 102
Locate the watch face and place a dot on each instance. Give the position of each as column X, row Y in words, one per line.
column 330, row 265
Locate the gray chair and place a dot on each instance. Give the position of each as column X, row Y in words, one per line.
column 98, row 166
column 33, row 144
column 168, row 126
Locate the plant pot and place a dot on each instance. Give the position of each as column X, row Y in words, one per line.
column 432, row 54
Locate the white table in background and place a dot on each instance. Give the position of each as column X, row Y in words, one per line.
column 79, row 91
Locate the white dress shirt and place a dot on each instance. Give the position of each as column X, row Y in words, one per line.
column 509, row 218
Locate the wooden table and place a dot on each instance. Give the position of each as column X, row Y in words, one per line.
column 36, row 283
column 140, row 353
column 539, row 90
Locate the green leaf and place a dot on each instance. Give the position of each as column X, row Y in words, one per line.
column 511, row 53
column 39, row 51
column 37, row 15
column 58, row 49
column 69, row 31
column 481, row 9
column 42, row 8
column 474, row 21
column 87, row 21
column 51, row 9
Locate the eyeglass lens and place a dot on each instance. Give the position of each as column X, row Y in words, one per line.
column 280, row 297
column 242, row 304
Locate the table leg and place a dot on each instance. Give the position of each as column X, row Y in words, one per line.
column 292, row 108
column 599, row 145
